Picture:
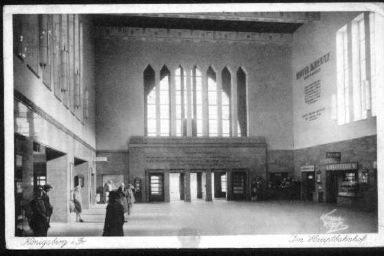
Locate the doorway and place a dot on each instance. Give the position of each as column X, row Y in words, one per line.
column 239, row 182
column 156, row 187
column 219, row 184
column 308, row 179
column 177, row 185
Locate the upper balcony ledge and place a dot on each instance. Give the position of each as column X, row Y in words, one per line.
column 143, row 141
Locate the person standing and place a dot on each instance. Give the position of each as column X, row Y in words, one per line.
column 114, row 218
column 124, row 197
column 49, row 208
column 131, row 198
column 107, row 190
column 39, row 218
column 77, row 202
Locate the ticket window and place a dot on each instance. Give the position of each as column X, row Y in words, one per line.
column 156, row 187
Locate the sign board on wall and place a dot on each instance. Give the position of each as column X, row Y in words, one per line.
column 341, row 167
column 312, row 68
column 101, row 159
column 333, row 155
column 312, row 89
column 307, row 168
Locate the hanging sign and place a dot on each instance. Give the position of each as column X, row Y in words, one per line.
column 307, row 168
column 334, row 155
column 341, row 167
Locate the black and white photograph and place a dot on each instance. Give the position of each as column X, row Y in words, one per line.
column 194, row 125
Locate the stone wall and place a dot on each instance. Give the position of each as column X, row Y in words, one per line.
column 121, row 60
column 362, row 150
column 181, row 154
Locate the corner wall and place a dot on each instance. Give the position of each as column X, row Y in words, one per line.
column 312, row 122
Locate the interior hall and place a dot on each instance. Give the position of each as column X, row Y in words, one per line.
column 250, row 122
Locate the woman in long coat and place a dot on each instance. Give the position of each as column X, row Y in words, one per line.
column 114, row 218
column 124, row 194
column 131, row 198
column 77, row 201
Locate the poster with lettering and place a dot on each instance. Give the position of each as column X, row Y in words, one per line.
column 309, row 76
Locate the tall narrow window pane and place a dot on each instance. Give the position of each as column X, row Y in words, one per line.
column 181, row 101
column 150, row 102
column 212, row 103
column 197, row 99
column 342, row 76
column 225, row 103
column 359, row 68
column 376, row 24
column 241, row 102
column 164, row 102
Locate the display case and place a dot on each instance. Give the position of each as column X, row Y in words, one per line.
column 349, row 186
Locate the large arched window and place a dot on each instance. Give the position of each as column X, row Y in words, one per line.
column 210, row 108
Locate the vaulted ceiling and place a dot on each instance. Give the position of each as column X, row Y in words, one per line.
column 260, row 22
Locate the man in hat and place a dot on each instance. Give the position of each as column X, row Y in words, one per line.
column 38, row 220
column 47, row 204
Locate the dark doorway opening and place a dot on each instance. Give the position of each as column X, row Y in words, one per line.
column 239, row 185
column 308, row 179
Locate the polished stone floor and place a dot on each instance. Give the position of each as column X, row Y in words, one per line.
column 222, row 217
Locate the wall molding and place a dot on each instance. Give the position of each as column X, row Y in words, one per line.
column 179, row 35
column 334, row 142
column 20, row 97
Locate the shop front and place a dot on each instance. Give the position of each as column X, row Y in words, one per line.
column 347, row 185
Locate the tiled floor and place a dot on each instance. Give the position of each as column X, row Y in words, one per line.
column 225, row 218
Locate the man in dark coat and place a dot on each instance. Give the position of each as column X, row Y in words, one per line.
column 48, row 206
column 114, row 218
column 39, row 218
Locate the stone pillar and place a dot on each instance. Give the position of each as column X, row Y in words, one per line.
column 27, row 160
column 187, row 186
column 189, row 101
column 58, row 176
column 229, row 186
column 208, row 185
column 205, row 103
column 234, row 105
column 27, row 163
column 199, row 185
column 167, row 195
column 181, row 186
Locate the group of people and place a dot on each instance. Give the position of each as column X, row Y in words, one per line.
column 119, row 206
column 118, row 209
column 40, row 211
